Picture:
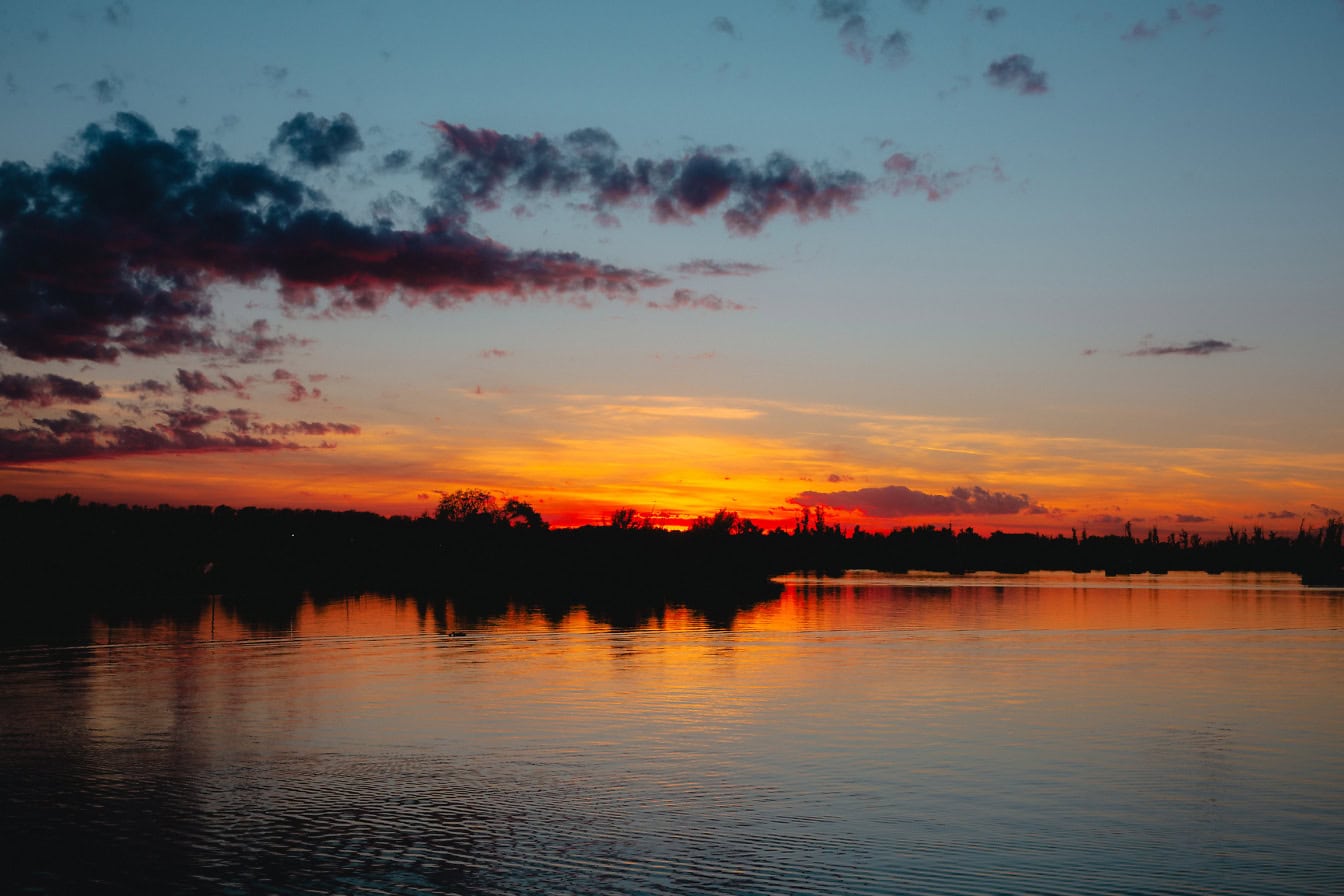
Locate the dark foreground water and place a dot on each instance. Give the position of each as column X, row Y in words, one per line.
column 1041, row 734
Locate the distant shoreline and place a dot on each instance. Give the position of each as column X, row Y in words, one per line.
column 65, row 547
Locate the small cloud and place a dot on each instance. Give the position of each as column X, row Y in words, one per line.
column 1087, row 352
column 1176, row 16
column 839, row 477
column 257, row 343
column 917, row 5
column 151, row 386
column 723, row 25
column 46, row 390
column 1328, row 512
column 1277, row 515
column 705, row 267
column 109, row 89
column 1192, row 518
column 195, row 382
column 836, row 10
column 275, row 74
column 494, row 353
column 396, row 160
column 117, row 13
column 1017, row 72
column 895, row 49
column 299, row 392
column 990, row 14
column 318, row 142
column 685, row 298
column 1196, row 347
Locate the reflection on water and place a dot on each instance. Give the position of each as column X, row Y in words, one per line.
column 920, row 734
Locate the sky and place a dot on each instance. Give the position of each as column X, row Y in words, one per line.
column 1037, row 266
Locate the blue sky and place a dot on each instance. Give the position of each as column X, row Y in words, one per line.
column 1123, row 303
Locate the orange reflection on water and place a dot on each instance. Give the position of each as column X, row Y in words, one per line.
column 1044, row 601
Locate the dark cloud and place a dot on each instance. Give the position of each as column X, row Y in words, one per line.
column 1191, row 12
column 1328, row 512
column 318, row 142
column 46, row 390
column 898, row 501
column 187, row 429
column 275, row 74
column 194, row 382
column 1192, row 518
column 1277, row 515
column 473, row 168
column 1017, row 72
column 991, row 14
column 306, row 428
column 685, row 298
column 1197, row 347
column 117, row 249
column 396, row 160
column 108, row 90
column 705, row 267
column 153, row 386
column 724, row 26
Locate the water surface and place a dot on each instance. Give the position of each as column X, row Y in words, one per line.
column 1052, row 733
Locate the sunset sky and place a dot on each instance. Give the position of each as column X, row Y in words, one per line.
column 1029, row 266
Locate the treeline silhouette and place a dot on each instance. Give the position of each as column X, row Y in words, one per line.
column 474, row 547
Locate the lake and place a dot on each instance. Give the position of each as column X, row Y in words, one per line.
column 1047, row 733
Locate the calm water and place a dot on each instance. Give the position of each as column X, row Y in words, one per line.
column 1050, row 733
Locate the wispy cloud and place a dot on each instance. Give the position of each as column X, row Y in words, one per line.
column 724, row 25
column 1195, row 347
column 705, row 267
column 892, row 49
column 188, row 429
column 685, row 298
column 109, row 89
column 117, row 13
column 1174, row 17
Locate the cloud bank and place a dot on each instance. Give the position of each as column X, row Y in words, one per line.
column 900, row 501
